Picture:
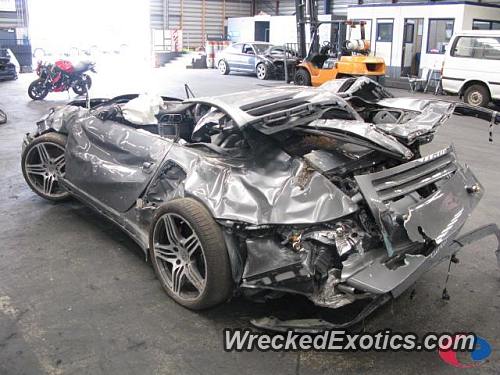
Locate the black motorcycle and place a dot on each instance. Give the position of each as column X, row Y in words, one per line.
column 61, row 76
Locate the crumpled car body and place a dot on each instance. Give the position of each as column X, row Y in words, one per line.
column 321, row 192
column 247, row 57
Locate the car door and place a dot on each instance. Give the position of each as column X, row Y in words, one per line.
column 233, row 56
column 472, row 58
column 248, row 58
column 112, row 162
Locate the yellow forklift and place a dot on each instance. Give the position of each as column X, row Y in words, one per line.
column 343, row 58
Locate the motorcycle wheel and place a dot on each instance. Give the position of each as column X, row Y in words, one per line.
column 83, row 84
column 37, row 90
column 3, row 117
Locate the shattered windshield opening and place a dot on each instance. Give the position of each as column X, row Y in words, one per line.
column 261, row 49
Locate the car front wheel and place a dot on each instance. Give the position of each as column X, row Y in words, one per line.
column 262, row 71
column 42, row 163
column 189, row 254
column 223, row 67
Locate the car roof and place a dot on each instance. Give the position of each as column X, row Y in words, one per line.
column 479, row 32
column 266, row 43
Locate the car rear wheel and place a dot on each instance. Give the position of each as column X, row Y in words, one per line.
column 262, row 71
column 3, row 117
column 477, row 95
column 189, row 255
column 223, row 67
column 42, row 163
column 302, row 78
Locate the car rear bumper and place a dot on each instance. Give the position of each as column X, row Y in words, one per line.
column 411, row 272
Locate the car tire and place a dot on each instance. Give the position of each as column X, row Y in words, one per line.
column 302, row 78
column 262, row 71
column 3, row 117
column 37, row 90
column 41, row 162
column 83, row 85
column 190, row 258
column 477, row 96
column 223, row 67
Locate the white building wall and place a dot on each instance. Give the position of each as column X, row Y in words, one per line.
column 282, row 29
column 392, row 52
column 479, row 12
column 241, row 29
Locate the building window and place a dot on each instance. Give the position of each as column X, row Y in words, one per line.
column 485, row 25
column 480, row 47
column 440, row 32
column 409, row 31
column 384, row 31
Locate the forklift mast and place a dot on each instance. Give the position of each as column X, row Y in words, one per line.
column 306, row 12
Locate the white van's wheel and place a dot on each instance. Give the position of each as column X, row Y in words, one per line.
column 477, row 95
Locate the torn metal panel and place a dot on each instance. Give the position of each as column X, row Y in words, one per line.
column 367, row 134
column 318, row 325
column 110, row 161
column 265, row 191
column 441, row 189
column 320, row 192
column 379, row 277
column 446, row 210
column 430, row 114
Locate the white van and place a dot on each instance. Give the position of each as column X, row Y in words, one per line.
column 471, row 66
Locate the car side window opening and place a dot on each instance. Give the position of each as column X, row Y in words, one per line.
column 235, row 48
column 248, row 49
column 480, row 47
column 261, row 48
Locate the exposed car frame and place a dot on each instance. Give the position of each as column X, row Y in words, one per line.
column 319, row 192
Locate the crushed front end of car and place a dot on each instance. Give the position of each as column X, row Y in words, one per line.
column 397, row 213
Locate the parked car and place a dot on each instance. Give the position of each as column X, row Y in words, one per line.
column 7, row 68
column 321, row 192
column 264, row 59
column 471, row 66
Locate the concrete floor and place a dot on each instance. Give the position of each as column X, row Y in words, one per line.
column 76, row 296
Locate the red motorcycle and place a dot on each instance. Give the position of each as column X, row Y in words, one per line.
column 61, row 76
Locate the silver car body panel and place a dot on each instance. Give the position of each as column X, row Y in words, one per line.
column 418, row 205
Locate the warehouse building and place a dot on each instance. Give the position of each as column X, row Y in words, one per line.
column 413, row 36
column 14, row 30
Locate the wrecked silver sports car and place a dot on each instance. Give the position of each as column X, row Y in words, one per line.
column 321, row 192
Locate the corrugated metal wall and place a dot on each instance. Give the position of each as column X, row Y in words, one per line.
column 197, row 18
column 201, row 18
column 19, row 18
column 339, row 7
column 287, row 7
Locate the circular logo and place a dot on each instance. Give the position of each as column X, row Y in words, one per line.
column 481, row 351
